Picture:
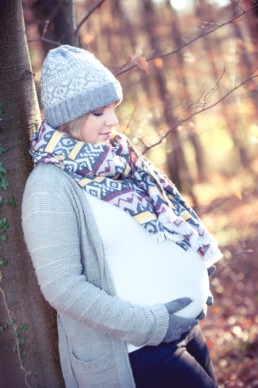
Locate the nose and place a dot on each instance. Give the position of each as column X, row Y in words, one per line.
column 111, row 119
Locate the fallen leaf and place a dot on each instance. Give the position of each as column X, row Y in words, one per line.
column 140, row 62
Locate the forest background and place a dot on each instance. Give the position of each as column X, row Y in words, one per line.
column 189, row 75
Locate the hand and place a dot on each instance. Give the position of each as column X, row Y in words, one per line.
column 211, row 270
column 209, row 302
column 178, row 325
column 210, row 299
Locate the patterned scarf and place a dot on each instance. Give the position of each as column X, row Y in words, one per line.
column 118, row 174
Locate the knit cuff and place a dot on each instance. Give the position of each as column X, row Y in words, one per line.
column 162, row 321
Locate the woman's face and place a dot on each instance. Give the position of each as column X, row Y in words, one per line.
column 98, row 125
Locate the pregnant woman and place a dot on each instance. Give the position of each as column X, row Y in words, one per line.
column 117, row 251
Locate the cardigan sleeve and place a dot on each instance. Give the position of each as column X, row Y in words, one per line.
column 51, row 231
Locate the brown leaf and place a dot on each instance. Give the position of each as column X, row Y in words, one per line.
column 158, row 62
column 140, row 62
column 238, row 194
column 87, row 38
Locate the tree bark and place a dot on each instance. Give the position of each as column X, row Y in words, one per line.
column 247, row 64
column 252, row 21
column 231, row 122
column 28, row 349
column 176, row 162
column 180, row 69
column 55, row 20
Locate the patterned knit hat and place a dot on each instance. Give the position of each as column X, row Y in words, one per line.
column 73, row 83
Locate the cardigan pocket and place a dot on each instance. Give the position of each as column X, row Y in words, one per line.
column 98, row 373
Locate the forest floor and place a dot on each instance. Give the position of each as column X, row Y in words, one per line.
column 231, row 326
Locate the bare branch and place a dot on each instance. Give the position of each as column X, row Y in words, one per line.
column 16, row 336
column 189, row 42
column 50, row 18
column 47, row 23
column 88, row 15
column 202, row 109
column 238, row 5
column 211, row 92
column 131, row 117
column 42, row 39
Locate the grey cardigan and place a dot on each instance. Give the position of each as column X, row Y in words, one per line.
column 68, row 257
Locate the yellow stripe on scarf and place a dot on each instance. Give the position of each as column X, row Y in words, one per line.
column 76, row 150
column 127, row 170
column 144, row 217
column 53, row 141
column 185, row 215
column 83, row 182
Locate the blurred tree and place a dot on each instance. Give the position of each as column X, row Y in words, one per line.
column 55, row 20
column 176, row 162
column 186, row 105
column 213, row 50
column 129, row 34
column 252, row 20
column 27, row 325
column 112, row 29
column 246, row 66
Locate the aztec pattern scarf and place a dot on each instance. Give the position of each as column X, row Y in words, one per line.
column 116, row 173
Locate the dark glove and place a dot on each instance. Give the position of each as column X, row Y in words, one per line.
column 210, row 299
column 211, row 270
column 178, row 325
column 209, row 302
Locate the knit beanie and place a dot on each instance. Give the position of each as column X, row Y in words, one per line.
column 73, row 83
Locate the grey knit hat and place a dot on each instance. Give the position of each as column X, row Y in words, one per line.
column 73, row 83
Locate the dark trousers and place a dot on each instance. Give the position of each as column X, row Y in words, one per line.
column 184, row 363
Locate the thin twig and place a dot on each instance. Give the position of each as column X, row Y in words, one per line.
column 203, row 109
column 187, row 43
column 210, row 93
column 131, row 117
column 42, row 39
column 88, row 15
column 56, row 43
column 14, row 327
column 50, row 18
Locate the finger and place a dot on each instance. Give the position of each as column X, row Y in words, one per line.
column 201, row 316
column 210, row 300
column 178, row 304
column 211, row 270
column 186, row 324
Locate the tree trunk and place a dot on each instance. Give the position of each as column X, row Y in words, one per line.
column 129, row 32
column 55, row 20
column 180, row 69
column 252, row 21
column 28, row 350
column 176, row 162
column 247, row 66
column 230, row 121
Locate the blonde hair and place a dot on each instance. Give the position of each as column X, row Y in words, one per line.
column 73, row 127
